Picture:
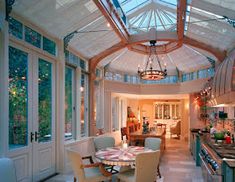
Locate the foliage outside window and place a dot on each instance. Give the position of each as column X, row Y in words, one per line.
column 68, row 102
column 18, row 98
column 75, row 60
column 49, row 46
column 15, row 28
column 45, row 100
column 32, row 37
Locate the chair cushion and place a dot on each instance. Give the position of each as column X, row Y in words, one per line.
column 127, row 176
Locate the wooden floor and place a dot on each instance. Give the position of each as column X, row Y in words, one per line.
column 177, row 165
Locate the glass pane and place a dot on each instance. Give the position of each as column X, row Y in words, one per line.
column 68, row 102
column 18, row 98
column 15, row 28
column 49, row 46
column 166, row 111
column 84, row 103
column 44, row 100
column 32, row 37
column 173, row 111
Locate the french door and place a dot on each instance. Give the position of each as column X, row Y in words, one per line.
column 31, row 136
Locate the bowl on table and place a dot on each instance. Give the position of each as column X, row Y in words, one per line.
column 219, row 135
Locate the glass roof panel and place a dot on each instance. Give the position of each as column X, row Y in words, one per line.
column 145, row 14
column 131, row 5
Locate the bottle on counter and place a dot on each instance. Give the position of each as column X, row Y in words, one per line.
column 228, row 138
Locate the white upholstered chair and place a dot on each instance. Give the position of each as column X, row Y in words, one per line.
column 7, row 170
column 145, row 168
column 175, row 129
column 87, row 173
column 102, row 142
column 154, row 144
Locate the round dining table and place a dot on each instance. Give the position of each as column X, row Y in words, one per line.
column 120, row 156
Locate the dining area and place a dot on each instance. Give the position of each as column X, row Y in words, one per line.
column 125, row 162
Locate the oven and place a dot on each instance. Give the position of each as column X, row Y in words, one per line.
column 211, row 165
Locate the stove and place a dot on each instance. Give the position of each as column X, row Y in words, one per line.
column 212, row 156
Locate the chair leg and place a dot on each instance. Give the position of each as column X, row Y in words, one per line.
column 74, row 179
column 158, row 171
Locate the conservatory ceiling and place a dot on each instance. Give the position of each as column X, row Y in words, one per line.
column 117, row 37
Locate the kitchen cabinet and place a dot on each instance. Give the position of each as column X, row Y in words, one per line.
column 167, row 110
column 228, row 171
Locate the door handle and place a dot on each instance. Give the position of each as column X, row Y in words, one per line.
column 36, row 136
column 31, row 137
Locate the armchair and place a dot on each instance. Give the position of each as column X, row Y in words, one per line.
column 87, row 173
column 145, row 168
column 175, row 129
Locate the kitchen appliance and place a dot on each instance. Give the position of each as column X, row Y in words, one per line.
column 211, row 165
column 212, row 156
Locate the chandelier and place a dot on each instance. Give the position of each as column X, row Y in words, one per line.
column 150, row 73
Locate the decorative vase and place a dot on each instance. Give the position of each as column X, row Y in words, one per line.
column 145, row 128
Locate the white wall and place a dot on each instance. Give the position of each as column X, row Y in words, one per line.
column 189, row 109
column 154, row 89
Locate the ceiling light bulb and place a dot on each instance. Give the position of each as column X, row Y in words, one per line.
column 108, row 25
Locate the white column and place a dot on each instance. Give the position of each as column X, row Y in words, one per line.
column 4, row 42
column 108, row 110
column 78, row 103
column 60, row 111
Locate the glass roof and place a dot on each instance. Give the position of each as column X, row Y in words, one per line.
column 129, row 6
column 142, row 15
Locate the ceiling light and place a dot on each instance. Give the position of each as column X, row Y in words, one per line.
column 148, row 72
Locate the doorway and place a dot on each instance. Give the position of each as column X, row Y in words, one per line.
column 31, row 129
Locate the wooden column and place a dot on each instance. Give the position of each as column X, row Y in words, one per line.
column 4, row 103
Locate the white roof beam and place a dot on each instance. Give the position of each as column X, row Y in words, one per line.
column 206, row 6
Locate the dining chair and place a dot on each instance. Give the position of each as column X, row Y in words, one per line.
column 145, row 168
column 102, row 142
column 87, row 172
column 154, row 144
column 7, row 170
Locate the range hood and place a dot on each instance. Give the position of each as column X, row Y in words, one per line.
column 223, row 84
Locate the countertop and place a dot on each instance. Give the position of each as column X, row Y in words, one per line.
column 225, row 151
column 230, row 163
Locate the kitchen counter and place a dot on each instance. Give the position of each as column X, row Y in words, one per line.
column 231, row 164
column 222, row 150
